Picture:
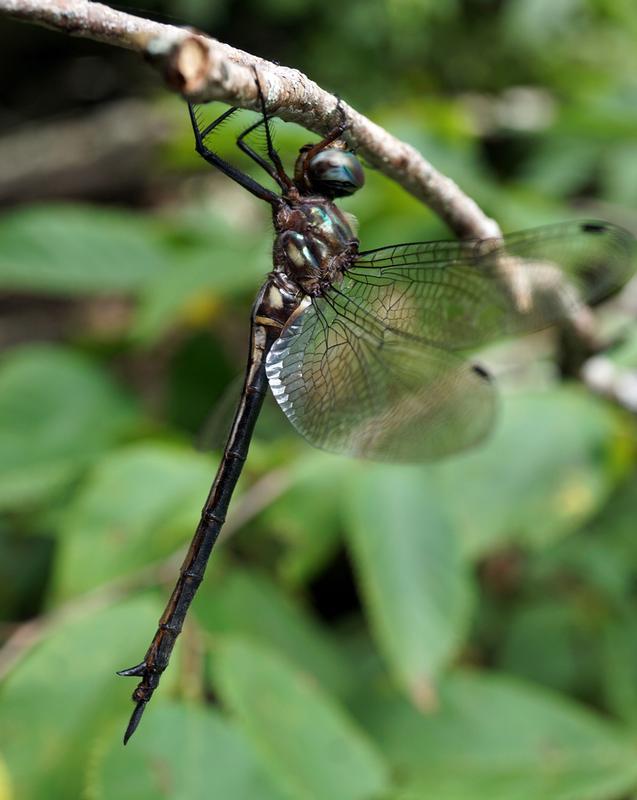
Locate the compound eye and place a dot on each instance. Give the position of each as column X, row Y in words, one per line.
column 335, row 173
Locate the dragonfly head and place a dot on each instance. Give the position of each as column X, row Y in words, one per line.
column 332, row 172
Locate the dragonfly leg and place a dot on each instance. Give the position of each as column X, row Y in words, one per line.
column 221, row 164
column 215, row 122
column 275, row 169
column 277, row 173
column 331, row 136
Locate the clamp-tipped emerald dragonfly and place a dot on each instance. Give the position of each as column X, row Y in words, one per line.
column 366, row 351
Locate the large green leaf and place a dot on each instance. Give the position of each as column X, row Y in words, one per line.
column 187, row 753
column 561, row 164
column 58, row 410
column 500, row 739
column 249, row 604
column 6, row 790
column 409, row 566
column 618, row 643
column 136, row 506
column 571, row 626
column 210, row 258
column 78, row 250
column 57, row 700
column 550, row 464
column 548, row 642
column 307, row 518
column 311, row 747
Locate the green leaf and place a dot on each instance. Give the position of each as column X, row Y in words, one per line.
column 408, row 562
column 249, row 604
column 309, row 527
column 619, row 666
column 625, row 352
column 404, row 522
column 548, row 643
column 210, row 259
column 6, row 791
column 311, row 747
column 186, row 753
column 619, row 174
column 25, row 566
column 561, row 164
column 538, row 22
column 550, row 464
column 78, row 250
column 55, row 701
column 58, row 410
column 501, row 739
column 136, row 507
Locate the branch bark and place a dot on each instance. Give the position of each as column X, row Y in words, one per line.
column 87, row 155
column 202, row 68
column 606, row 379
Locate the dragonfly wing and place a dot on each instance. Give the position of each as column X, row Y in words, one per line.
column 350, row 385
column 462, row 295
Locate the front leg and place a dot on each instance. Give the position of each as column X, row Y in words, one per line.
column 331, row 136
column 277, row 171
column 212, row 158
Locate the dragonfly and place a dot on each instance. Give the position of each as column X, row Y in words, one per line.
column 371, row 353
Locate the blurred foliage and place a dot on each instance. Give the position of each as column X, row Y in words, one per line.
column 459, row 631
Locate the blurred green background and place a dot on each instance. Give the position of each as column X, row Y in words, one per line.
column 459, row 631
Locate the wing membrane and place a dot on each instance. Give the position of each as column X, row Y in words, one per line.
column 465, row 294
column 350, row 385
column 369, row 369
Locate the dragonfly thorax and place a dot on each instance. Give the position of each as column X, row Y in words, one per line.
column 314, row 244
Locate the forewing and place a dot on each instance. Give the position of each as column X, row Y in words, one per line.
column 349, row 385
column 465, row 294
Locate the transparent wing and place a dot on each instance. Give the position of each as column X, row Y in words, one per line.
column 369, row 370
column 350, row 385
column 465, row 294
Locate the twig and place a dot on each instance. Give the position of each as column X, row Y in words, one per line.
column 82, row 155
column 605, row 378
column 202, row 69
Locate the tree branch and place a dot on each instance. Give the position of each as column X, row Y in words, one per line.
column 82, row 156
column 202, row 69
column 616, row 384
